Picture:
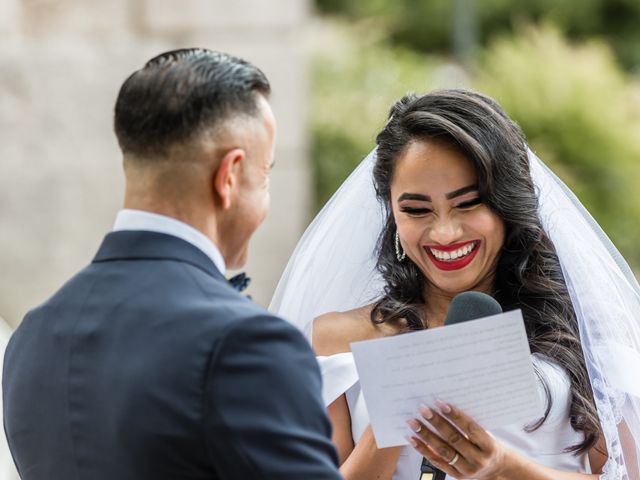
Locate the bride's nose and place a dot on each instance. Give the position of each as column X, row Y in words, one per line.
column 445, row 230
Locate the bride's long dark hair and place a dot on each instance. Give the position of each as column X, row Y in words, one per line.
column 528, row 274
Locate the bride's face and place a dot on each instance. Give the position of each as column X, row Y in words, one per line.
column 444, row 227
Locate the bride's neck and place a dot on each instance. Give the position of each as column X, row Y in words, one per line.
column 436, row 309
column 438, row 301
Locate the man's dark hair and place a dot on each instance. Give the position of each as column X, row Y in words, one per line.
column 181, row 93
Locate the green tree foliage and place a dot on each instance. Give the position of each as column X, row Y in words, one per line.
column 426, row 25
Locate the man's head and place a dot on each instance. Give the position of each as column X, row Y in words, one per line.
column 197, row 135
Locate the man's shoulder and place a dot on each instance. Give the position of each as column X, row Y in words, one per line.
column 261, row 346
column 256, row 324
column 188, row 302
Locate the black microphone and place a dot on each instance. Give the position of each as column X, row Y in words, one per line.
column 464, row 307
column 470, row 306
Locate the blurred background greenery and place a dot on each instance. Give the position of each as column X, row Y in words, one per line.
column 566, row 70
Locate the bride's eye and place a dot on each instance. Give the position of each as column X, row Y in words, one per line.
column 470, row 203
column 415, row 211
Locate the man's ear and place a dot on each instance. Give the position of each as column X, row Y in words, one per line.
column 227, row 177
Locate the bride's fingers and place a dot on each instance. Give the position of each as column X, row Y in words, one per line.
column 443, row 451
column 472, row 430
column 436, row 460
column 448, row 436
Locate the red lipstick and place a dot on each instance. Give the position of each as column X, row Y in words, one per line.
column 455, row 264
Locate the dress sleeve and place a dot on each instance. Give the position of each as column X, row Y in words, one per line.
column 264, row 417
column 339, row 374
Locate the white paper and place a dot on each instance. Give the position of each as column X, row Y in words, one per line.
column 482, row 366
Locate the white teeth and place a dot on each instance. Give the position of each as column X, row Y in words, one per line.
column 455, row 255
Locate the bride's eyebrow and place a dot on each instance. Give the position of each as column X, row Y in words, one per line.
column 414, row 196
column 426, row 198
column 461, row 191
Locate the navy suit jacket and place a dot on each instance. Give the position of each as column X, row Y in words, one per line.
column 148, row 365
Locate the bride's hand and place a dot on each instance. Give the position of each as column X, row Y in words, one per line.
column 464, row 451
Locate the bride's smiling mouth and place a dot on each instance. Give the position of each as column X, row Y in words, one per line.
column 452, row 257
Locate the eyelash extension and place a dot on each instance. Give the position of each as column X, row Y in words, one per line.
column 423, row 211
column 470, row 203
column 415, row 211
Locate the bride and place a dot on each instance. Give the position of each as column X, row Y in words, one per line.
column 464, row 205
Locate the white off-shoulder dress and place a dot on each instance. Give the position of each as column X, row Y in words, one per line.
column 545, row 445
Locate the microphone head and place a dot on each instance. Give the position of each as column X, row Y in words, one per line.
column 470, row 306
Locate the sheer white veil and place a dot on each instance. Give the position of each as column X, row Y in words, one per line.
column 333, row 269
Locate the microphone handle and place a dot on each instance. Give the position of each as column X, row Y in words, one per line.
column 429, row 472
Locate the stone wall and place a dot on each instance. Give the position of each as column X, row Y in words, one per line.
column 61, row 65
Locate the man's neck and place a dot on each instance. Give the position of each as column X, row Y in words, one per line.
column 201, row 221
column 134, row 219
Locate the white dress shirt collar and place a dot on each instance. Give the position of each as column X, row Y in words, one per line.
column 128, row 219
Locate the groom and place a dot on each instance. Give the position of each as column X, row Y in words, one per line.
column 147, row 364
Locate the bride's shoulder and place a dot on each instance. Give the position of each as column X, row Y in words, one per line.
column 333, row 332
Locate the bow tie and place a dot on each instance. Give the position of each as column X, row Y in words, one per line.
column 239, row 282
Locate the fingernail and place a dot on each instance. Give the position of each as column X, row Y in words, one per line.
column 414, row 425
column 412, row 441
column 426, row 412
column 443, row 407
